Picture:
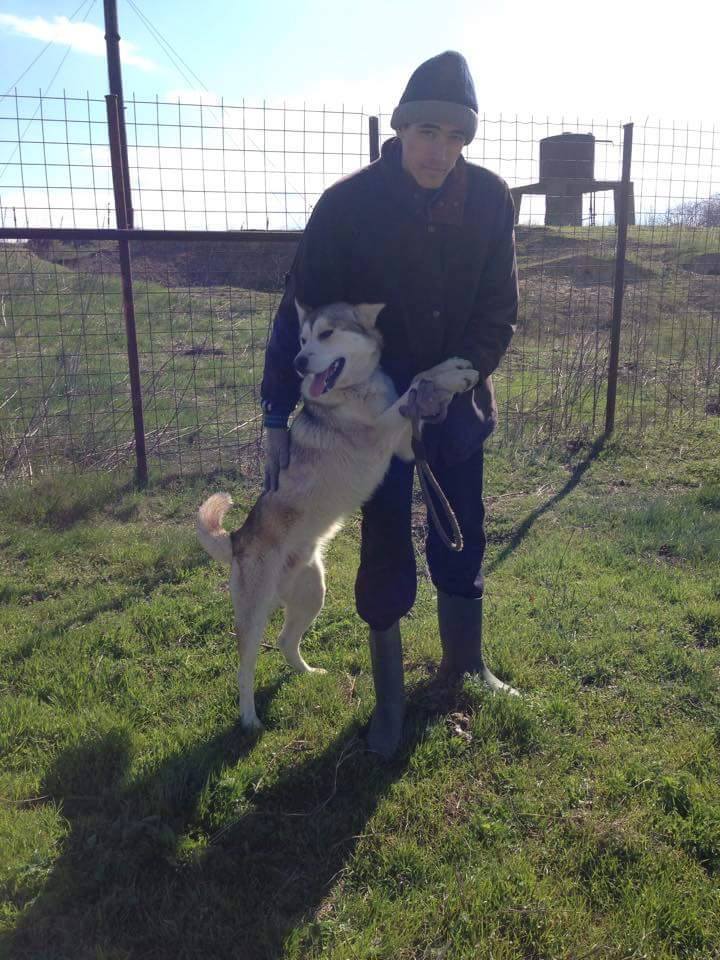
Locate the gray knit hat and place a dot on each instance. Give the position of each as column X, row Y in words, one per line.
column 441, row 90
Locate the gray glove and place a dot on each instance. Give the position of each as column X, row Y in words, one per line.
column 277, row 454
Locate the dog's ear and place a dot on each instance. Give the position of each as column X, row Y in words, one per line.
column 302, row 311
column 367, row 313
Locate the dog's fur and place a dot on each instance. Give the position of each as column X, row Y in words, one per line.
column 341, row 445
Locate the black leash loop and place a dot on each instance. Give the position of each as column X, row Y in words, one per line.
column 427, row 479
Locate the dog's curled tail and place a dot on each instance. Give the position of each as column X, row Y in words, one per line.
column 211, row 534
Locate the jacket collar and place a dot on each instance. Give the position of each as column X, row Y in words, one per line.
column 446, row 205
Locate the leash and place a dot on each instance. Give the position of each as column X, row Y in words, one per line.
column 427, row 480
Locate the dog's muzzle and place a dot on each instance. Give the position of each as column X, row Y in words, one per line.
column 325, row 380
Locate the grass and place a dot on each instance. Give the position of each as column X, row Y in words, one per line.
column 583, row 820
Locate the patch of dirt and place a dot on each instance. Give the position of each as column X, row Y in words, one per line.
column 203, row 351
column 249, row 264
column 705, row 630
column 459, row 725
column 704, row 292
column 587, row 270
column 545, row 243
column 667, row 553
column 705, row 263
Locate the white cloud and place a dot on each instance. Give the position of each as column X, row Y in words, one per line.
column 83, row 37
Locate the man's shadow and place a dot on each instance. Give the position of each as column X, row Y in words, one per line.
column 522, row 531
column 135, row 879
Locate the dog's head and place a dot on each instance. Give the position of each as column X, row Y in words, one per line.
column 340, row 347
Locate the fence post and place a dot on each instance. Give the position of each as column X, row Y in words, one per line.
column 112, row 47
column 619, row 285
column 374, row 138
column 121, row 213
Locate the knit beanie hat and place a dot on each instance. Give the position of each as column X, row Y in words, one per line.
column 441, row 90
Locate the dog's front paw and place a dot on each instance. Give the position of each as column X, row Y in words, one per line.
column 454, row 378
column 460, row 381
column 426, row 401
column 452, row 365
column 457, row 363
column 409, row 406
column 454, row 375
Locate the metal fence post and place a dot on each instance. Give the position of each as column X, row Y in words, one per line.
column 121, row 212
column 374, row 129
column 619, row 286
column 112, row 46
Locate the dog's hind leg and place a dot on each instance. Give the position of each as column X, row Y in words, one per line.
column 303, row 596
column 254, row 599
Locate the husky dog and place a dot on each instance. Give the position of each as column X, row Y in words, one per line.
column 341, row 445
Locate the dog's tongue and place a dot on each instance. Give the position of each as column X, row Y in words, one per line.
column 318, row 383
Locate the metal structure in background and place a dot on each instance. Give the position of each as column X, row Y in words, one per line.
column 567, row 174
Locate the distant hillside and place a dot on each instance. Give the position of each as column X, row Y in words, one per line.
column 203, row 311
column 581, row 257
column 252, row 265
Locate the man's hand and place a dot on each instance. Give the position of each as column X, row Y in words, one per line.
column 277, row 455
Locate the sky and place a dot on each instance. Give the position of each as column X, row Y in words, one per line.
column 630, row 60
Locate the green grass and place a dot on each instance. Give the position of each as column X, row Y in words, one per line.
column 583, row 820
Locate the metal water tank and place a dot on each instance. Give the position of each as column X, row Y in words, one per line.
column 567, row 163
column 568, row 155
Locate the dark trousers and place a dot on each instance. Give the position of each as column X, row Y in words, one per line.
column 386, row 582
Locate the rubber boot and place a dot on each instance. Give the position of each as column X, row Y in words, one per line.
column 460, row 623
column 386, row 724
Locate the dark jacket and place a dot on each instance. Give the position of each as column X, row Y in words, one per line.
column 443, row 263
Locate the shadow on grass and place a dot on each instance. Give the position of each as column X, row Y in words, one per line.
column 142, row 589
column 134, row 878
column 526, row 526
column 66, row 500
column 61, row 503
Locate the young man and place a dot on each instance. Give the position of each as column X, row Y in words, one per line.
column 431, row 236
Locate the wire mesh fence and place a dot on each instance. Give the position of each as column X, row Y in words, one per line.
column 64, row 367
column 203, row 307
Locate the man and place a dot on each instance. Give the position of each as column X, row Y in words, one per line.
column 431, row 236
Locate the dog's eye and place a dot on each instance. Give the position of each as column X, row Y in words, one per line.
column 325, row 334
column 303, row 341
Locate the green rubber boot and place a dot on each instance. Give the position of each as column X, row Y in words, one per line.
column 460, row 623
column 386, row 724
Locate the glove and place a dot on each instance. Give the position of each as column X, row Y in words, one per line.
column 277, row 455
